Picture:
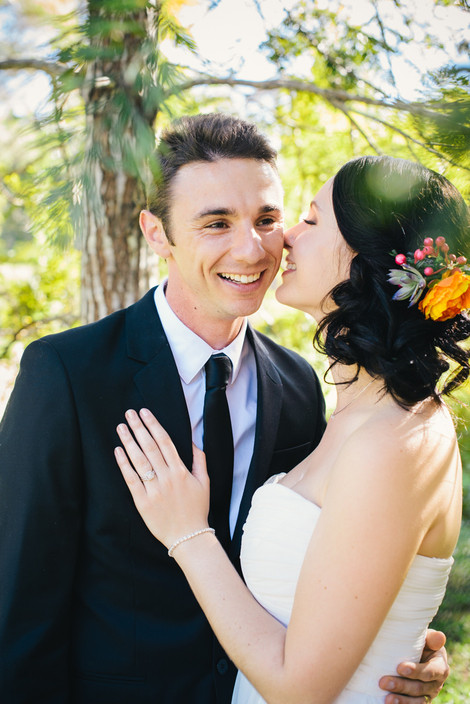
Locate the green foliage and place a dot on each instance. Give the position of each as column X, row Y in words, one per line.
column 453, row 619
column 315, row 141
column 460, row 404
column 351, row 48
column 450, row 131
column 336, row 46
column 38, row 295
column 113, row 69
column 294, row 330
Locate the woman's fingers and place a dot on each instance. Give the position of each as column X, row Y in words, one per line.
column 145, row 441
column 171, row 501
column 131, row 478
column 149, row 446
column 200, row 465
column 138, row 458
column 162, row 439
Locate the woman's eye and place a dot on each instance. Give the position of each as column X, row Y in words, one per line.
column 310, row 222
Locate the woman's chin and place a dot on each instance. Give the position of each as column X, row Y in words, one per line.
column 282, row 297
column 286, row 300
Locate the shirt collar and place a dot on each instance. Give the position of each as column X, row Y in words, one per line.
column 181, row 339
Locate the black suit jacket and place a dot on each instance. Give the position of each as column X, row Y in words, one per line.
column 92, row 609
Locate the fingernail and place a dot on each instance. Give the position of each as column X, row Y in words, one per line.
column 390, row 685
column 130, row 414
column 144, row 412
column 122, row 427
column 406, row 671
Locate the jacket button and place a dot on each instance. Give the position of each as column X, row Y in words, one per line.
column 222, row 666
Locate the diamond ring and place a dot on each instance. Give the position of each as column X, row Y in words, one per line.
column 148, row 476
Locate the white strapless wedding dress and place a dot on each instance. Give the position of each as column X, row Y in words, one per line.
column 275, row 538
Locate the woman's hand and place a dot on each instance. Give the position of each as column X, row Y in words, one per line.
column 172, row 501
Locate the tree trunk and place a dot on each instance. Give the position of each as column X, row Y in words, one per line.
column 112, row 273
column 111, row 276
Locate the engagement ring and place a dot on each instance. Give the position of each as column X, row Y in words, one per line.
column 148, row 476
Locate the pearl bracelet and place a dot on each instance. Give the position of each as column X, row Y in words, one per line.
column 188, row 537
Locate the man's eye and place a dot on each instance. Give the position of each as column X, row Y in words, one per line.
column 220, row 224
column 266, row 222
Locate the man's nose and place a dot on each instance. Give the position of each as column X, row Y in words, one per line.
column 248, row 245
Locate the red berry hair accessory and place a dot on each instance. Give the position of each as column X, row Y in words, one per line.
column 444, row 279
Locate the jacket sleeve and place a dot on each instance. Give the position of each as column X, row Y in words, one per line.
column 40, row 498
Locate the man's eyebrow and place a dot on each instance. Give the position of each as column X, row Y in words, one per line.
column 269, row 208
column 213, row 211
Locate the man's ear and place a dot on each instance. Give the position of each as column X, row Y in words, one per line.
column 154, row 233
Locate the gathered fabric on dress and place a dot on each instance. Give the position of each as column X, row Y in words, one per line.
column 275, row 540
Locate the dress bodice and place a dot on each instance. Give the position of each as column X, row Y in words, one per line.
column 275, row 539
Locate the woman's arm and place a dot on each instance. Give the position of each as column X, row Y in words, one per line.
column 370, row 528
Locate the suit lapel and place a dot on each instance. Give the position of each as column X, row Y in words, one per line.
column 267, row 421
column 159, row 384
column 158, row 380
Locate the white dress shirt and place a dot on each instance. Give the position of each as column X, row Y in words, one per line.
column 191, row 353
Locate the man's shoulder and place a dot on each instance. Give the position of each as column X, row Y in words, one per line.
column 108, row 327
column 300, row 383
column 282, row 356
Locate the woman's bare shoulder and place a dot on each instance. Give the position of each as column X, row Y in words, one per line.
column 423, row 438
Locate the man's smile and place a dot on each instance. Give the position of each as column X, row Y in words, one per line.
column 241, row 278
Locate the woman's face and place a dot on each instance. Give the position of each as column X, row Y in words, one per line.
column 318, row 258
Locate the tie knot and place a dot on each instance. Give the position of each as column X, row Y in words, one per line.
column 218, row 368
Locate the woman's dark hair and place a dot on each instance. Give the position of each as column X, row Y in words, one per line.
column 383, row 204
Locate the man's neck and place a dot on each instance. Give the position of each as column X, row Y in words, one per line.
column 218, row 334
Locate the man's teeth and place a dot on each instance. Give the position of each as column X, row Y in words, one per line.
column 242, row 278
column 291, row 266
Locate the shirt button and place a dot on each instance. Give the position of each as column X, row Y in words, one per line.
column 222, row 666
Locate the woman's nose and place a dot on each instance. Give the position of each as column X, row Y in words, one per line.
column 291, row 234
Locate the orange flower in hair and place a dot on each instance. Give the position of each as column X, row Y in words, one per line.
column 448, row 297
column 443, row 279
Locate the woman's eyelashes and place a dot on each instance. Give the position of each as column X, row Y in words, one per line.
column 310, row 222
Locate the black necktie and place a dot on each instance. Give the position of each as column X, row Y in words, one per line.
column 218, row 444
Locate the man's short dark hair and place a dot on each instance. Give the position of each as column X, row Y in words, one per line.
column 202, row 138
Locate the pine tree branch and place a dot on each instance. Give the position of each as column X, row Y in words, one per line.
column 338, row 96
column 356, row 125
column 53, row 68
column 409, row 138
column 11, row 198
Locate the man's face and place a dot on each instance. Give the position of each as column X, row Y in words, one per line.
column 226, row 225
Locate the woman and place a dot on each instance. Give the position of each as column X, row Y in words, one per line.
column 351, row 550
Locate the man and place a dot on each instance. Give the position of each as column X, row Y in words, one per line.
column 92, row 609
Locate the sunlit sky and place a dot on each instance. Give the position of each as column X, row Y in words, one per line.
column 229, row 36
